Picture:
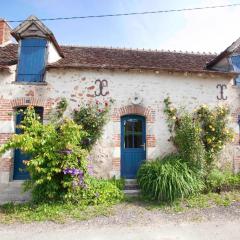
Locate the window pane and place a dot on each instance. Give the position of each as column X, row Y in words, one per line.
column 128, row 134
column 133, row 133
column 138, row 134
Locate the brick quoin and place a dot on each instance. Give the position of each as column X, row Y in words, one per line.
column 116, row 164
column 4, row 137
column 6, row 164
column 5, row 110
column 116, row 140
column 5, row 30
column 235, row 115
column 151, row 140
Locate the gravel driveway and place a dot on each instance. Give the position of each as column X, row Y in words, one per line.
column 131, row 221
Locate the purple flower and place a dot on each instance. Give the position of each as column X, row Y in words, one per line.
column 90, row 169
column 73, row 171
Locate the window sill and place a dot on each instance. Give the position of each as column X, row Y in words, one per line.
column 31, row 83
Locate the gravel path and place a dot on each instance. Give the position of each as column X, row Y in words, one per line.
column 132, row 221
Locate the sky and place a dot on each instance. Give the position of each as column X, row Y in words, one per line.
column 202, row 30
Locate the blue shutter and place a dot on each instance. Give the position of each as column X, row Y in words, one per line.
column 236, row 67
column 31, row 63
column 236, row 63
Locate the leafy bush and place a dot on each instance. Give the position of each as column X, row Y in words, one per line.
column 219, row 180
column 168, row 179
column 54, row 150
column 119, row 183
column 201, row 135
column 215, row 131
column 188, row 141
column 58, row 166
column 98, row 191
column 92, row 118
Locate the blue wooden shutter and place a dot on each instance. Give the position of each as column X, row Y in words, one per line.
column 236, row 63
column 236, row 66
column 31, row 63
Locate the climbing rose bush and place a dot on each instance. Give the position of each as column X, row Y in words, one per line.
column 215, row 130
column 211, row 130
column 92, row 117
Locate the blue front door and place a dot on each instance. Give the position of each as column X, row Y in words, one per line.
column 133, row 144
column 20, row 172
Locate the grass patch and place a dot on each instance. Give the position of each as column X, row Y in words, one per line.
column 200, row 201
column 56, row 212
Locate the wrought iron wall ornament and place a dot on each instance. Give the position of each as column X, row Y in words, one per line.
column 102, row 84
column 221, row 96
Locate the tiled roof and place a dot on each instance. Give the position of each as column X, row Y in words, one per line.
column 110, row 58
column 125, row 59
column 8, row 54
column 2, row 67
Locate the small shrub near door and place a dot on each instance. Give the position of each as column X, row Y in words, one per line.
column 168, row 179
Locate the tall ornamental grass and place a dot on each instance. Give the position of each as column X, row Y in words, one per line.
column 168, row 179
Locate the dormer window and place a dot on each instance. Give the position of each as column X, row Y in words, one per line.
column 32, row 60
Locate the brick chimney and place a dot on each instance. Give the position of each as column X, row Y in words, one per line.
column 5, row 32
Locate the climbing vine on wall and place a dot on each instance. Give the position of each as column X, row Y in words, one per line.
column 213, row 123
column 92, row 117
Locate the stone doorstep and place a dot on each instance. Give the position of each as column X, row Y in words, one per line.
column 130, row 181
column 131, row 192
column 131, row 188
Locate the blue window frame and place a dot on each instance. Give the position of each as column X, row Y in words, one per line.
column 31, row 64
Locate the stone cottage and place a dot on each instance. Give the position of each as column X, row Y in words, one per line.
column 38, row 71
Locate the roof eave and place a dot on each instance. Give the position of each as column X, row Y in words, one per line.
column 228, row 74
column 4, row 68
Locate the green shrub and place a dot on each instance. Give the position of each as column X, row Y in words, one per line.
column 219, row 180
column 119, row 183
column 53, row 149
column 168, row 179
column 58, row 167
column 188, row 141
column 92, row 118
column 216, row 132
column 97, row 191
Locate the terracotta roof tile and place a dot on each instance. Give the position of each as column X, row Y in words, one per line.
column 131, row 59
column 4, row 67
column 112, row 58
column 8, row 54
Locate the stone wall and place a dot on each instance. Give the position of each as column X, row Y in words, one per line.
column 80, row 86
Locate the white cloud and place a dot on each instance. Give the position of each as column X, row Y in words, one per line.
column 206, row 30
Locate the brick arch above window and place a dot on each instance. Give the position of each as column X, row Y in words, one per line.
column 28, row 101
column 36, row 102
column 147, row 112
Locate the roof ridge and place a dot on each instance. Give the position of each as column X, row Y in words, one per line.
column 140, row 49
